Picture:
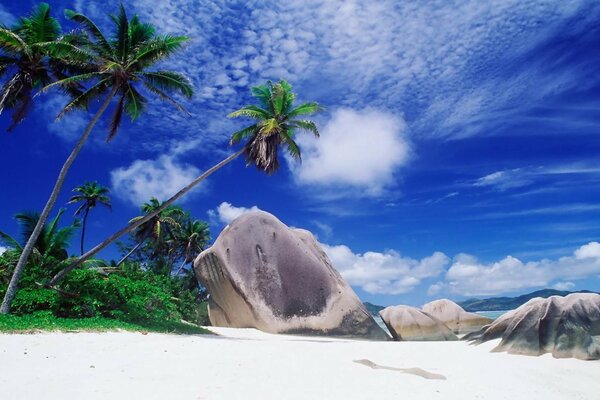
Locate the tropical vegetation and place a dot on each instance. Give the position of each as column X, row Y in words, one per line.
column 113, row 68
column 151, row 282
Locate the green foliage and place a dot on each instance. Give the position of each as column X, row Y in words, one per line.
column 121, row 65
column 276, row 125
column 28, row 301
column 46, row 321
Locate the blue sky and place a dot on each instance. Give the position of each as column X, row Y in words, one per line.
column 459, row 149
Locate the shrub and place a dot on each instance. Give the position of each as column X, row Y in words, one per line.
column 28, row 301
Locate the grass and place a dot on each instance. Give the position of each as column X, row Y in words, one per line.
column 43, row 321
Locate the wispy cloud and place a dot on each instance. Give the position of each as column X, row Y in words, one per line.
column 449, row 77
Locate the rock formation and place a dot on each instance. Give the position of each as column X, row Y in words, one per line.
column 262, row 274
column 454, row 317
column 564, row 326
column 411, row 324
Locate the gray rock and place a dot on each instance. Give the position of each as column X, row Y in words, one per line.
column 564, row 326
column 411, row 324
column 262, row 274
column 455, row 317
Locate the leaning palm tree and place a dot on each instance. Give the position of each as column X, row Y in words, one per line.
column 277, row 122
column 156, row 228
column 33, row 54
column 192, row 236
column 90, row 194
column 119, row 66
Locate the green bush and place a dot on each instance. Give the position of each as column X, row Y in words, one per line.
column 28, row 301
column 115, row 296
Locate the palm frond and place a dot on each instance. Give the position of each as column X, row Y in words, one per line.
column 9, row 241
column 83, row 100
column 122, row 37
column 169, row 80
column 102, row 45
column 251, row 111
column 305, row 109
column 116, row 119
column 158, row 49
column 288, row 138
column 40, row 26
column 11, row 42
column 163, row 96
column 306, row 125
column 263, row 94
column 73, row 79
column 269, row 127
column 243, row 134
column 134, row 102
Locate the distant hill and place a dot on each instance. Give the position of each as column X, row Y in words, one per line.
column 373, row 308
column 510, row 303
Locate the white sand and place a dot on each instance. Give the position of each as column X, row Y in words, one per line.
column 247, row 364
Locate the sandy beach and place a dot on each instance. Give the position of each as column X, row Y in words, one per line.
column 249, row 364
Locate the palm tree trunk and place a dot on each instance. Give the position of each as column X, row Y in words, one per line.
column 60, row 275
column 185, row 261
column 137, row 246
column 87, row 210
column 11, row 290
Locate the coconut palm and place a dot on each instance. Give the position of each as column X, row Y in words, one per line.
column 52, row 242
column 276, row 124
column 90, row 194
column 156, row 228
column 119, row 67
column 33, row 54
column 192, row 236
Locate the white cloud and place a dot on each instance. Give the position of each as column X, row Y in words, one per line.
column 590, row 250
column 2, row 250
column 503, row 180
column 468, row 277
column 357, row 149
column 564, row 285
column 71, row 126
column 384, row 273
column 160, row 178
column 359, row 54
column 225, row 213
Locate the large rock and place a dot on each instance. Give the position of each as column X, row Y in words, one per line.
column 455, row 317
column 262, row 274
column 411, row 324
column 564, row 326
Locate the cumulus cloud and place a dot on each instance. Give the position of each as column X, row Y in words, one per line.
column 357, row 149
column 588, row 251
column 467, row 276
column 226, row 212
column 384, row 273
column 160, row 178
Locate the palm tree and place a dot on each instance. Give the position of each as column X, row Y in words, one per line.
column 89, row 194
column 52, row 242
column 157, row 227
column 34, row 54
column 192, row 236
column 119, row 66
column 276, row 124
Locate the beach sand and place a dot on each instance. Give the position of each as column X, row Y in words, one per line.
column 248, row 364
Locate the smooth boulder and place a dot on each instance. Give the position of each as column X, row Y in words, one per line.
column 455, row 317
column 567, row 327
column 411, row 324
column 262, row 274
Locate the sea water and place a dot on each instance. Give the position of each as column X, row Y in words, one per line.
column 492, row 314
